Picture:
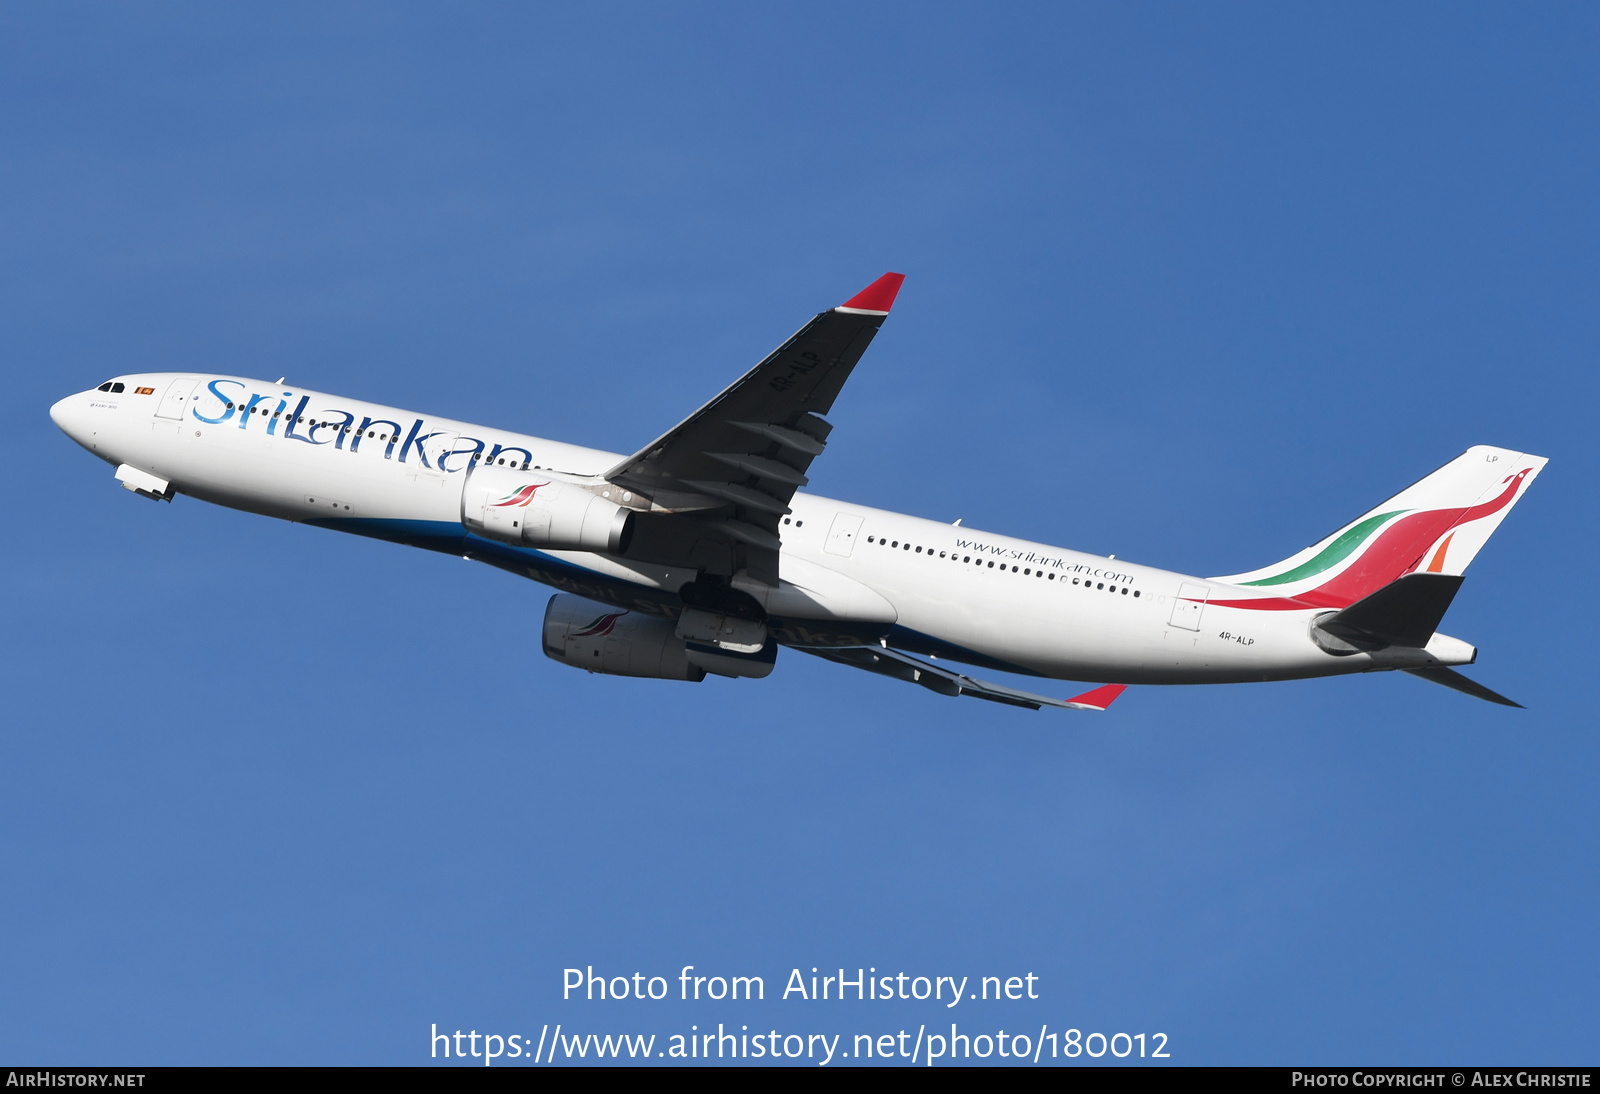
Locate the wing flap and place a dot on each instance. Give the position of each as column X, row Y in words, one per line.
column 912, row 670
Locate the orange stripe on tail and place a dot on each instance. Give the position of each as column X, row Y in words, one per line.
column 1437, row 565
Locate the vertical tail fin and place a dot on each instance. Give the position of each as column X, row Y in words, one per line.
column 1436, row 525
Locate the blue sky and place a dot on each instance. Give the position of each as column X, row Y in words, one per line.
column 1193, row 285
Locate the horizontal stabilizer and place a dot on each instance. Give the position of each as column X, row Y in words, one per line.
column 902, row 666
column 1452, row 679
column 1405, row 612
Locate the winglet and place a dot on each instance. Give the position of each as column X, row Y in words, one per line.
column 1098, row 699
column 877, row 298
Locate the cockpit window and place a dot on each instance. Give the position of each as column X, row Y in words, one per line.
column 106, row 386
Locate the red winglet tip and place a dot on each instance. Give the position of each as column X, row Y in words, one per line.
column 1100, row 697
column 878, row 296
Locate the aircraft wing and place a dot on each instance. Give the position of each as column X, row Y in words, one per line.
column 902, row 666
column 727, row 472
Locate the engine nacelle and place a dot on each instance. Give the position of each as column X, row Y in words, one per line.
column 534, row 509
column 589, row 635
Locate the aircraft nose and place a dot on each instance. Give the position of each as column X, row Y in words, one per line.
column 67, row 414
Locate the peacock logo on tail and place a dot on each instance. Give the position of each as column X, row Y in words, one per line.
column 1377, row 550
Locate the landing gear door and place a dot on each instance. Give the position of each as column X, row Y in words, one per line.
column 842, row 536
column 1188, row 604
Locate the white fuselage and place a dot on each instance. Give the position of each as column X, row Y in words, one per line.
column 923, row 586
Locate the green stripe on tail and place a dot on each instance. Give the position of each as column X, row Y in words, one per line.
column 1333, row 554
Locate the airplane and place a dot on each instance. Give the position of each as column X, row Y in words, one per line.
column 700, row 553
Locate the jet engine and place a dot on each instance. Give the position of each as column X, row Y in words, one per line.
column 589, row 635
column 538, row 509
